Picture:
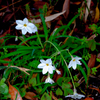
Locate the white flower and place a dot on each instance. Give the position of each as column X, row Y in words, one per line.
column 46, row 65
column 25, row 26
column 58, row 72
column 49, row 80
column 73, row 63
column 76, row 95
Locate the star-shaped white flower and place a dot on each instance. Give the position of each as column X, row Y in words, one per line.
column 73, row 63
column 76, row 95
column 25, row 26
column 49, row 80
column 46, row 65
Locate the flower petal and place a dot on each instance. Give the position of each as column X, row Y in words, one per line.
column 69, row 95
column 31, row 25
column 29, row 29
column 42, row 61
column 34, row 29
column 50, row 70
column 45, row 70
column 78, row 62
column 70, row 64
column 78, row 58
column 49, row 80
column 58, row 72
column 76, row 96
column 19, row 27
column 25, row 21
column 24, row 31
column 19, row 22
column 74, row 66
column 41, row 65
column 49, row 61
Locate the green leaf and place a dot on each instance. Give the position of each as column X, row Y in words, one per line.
column 60, row 99
column 92, row 44
column 45, row 96
column 7, row 72
column 34, row 63
column 32, row 81
column 2, row 80
column 22, row 92
column 76, row 84
column 6, row 96
column 13, row 53
column 83, row 72
column 68, row 91
column 27, row 7
column 38, row 90
column 75, row 78
column 59, row 92
column 3, row 61
column 72, row 43
column 44, row 24
column 63, row 79
column 94, row 70
column 29, row 38
column 64, row 86
column 60, row 80
column 3, row 88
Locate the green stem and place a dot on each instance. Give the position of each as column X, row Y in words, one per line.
column 23, row 41
column 69, row 72
column 39, row 39
column 64, row 62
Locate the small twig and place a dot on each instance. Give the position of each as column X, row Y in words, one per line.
column 10, row 5
column 81, row 80
column 22, row 69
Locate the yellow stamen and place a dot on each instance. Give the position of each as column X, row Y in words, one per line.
column 47, row 64
column 73, row 59
column 25, row 25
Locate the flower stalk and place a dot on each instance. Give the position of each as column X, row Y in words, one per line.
column 39, row 39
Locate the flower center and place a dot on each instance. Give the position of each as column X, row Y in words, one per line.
column 73, row 59
column 25, row 25
column 47, row 64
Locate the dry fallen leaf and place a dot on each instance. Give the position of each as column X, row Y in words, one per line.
column 1, row 41
column 87, row 10
column 66, row 6
column 30, row 96
column 14, row 93
column 97, row 14
column 49, row 18
column 57, row 76
column 91, row 62
column 98, row 56
column 76, row 3
column 53, row 96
